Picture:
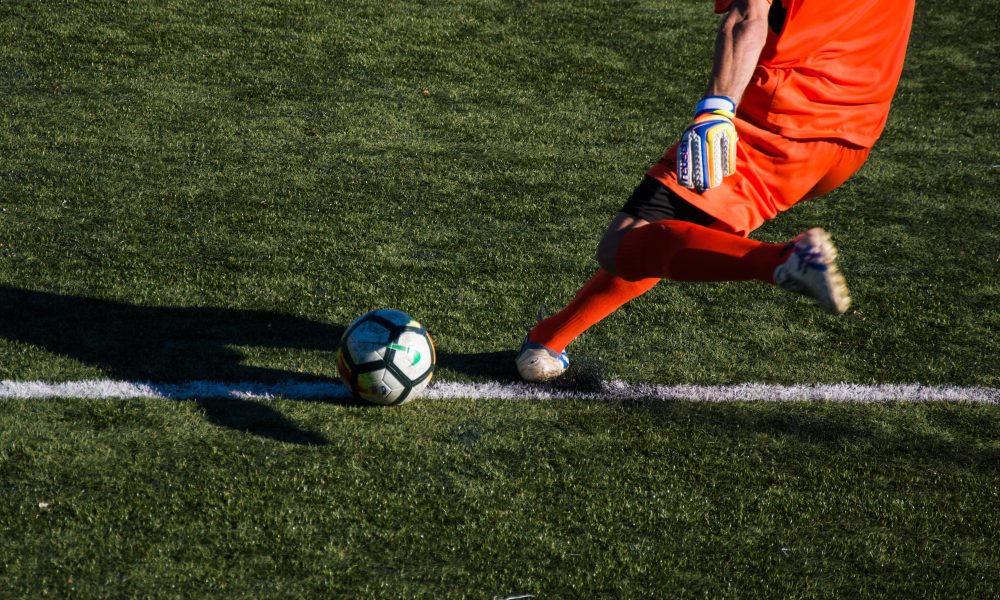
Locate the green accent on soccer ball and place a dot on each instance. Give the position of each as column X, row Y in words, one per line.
column 413, row 354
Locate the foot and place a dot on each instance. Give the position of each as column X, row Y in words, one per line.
column 811, row 270
column 536, row 362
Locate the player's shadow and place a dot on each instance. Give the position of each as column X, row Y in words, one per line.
column 492, row 366
column 951, row 442
column 171, row 345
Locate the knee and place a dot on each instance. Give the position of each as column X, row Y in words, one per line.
column 607, row 250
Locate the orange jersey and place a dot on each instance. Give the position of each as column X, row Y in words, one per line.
column 832, row 70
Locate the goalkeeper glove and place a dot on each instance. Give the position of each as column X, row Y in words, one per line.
column 707, row 151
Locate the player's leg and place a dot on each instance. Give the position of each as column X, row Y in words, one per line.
column 543, row 356
column 677, row 248
column 688, row 252
column 660, row 234
column 685, row 251
column 601, row 295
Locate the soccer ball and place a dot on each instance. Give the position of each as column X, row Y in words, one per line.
column 386, row 357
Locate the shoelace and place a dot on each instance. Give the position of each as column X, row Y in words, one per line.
column 810, row 257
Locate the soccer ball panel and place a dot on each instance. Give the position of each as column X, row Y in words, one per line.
column 367, row 342
column 417, row 389
column 380, row 387
column 413, row 354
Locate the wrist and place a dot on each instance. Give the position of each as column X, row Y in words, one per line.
column 711, row 104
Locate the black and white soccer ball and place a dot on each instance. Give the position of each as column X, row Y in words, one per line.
column 386, row 357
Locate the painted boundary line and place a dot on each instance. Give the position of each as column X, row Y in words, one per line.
column 838, row 392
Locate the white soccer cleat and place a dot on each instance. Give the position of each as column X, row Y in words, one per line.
column 536, row 362
column 811, row 270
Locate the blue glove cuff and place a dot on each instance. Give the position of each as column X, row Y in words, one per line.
column 710, row 103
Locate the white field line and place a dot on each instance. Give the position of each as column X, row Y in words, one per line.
column 838, row 392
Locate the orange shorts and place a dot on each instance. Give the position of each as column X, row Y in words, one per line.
column 772, row 174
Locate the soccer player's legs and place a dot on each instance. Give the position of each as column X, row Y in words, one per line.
column 666, row 230
column 604, row 292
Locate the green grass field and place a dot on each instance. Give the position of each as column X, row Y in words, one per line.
column 212, row 191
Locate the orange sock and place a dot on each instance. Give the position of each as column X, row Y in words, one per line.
column 665, row 249
column 598, row 298
column 684, row 251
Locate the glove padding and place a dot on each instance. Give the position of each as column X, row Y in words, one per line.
column 707, row 150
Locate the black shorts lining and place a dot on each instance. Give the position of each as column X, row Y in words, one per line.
column 652, row 201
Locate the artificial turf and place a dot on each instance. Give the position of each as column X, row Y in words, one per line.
column 213, row 190
column 487, row 499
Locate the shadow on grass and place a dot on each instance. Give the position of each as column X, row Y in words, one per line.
column 890, row 431
column 172, row 344
column 493, row 366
